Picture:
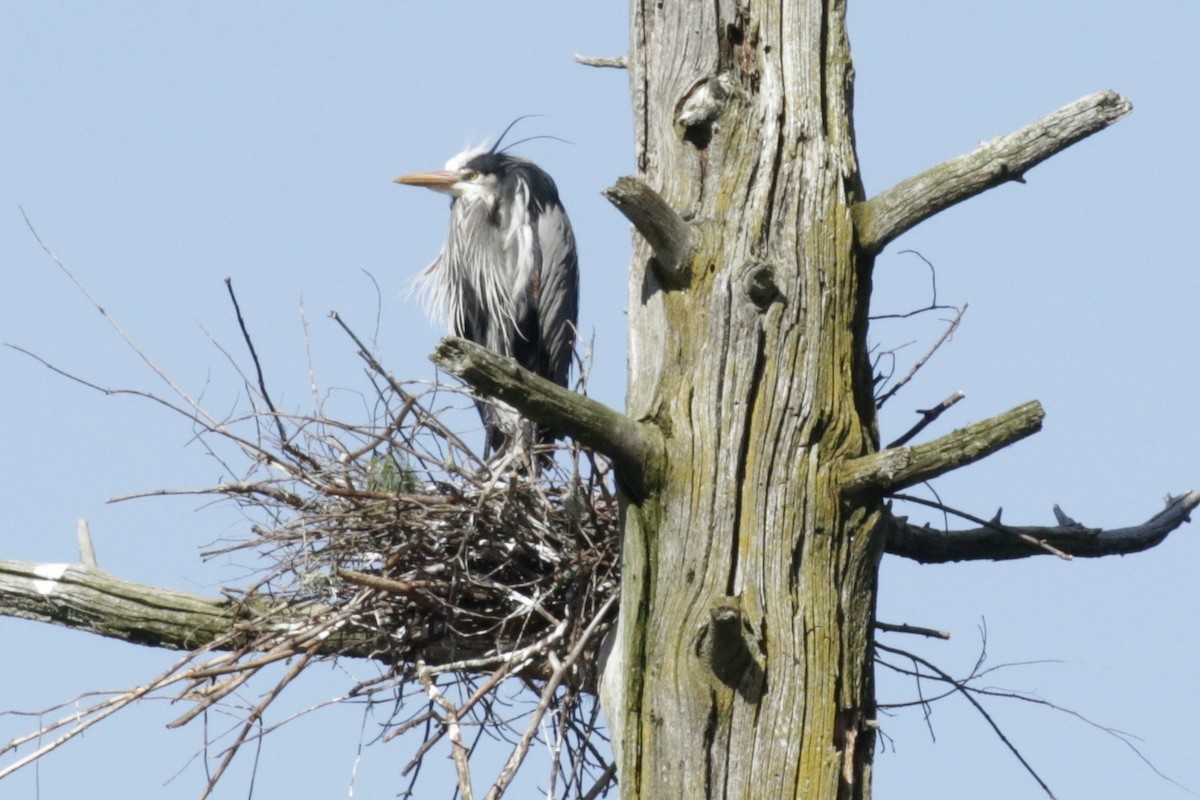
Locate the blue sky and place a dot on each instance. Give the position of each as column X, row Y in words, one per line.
column 160, row 148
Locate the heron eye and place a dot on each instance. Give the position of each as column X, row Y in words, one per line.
column 470, row 175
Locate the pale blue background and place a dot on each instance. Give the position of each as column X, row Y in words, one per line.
column 159, row 148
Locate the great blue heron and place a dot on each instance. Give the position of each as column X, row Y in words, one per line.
column 508, row 275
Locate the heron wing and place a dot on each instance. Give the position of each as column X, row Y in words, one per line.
column 557, row 294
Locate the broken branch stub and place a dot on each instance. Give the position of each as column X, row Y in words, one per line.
column 668, row 234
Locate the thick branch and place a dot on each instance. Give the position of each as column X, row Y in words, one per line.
column 1001, row 542
column 635, row 448
column 90, row 599
column 901, row 467
column 669, row 236
column 1006, row 158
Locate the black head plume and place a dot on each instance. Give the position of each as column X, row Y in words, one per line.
column 496, row 149
column 496, row 146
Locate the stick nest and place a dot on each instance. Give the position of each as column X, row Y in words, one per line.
column 433, row 554
column 393, row 540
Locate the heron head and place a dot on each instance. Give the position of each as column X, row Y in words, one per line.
column 471, row 173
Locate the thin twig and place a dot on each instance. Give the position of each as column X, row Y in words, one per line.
column 950, row 329
column 284, row 440
column 966, row 692
column 928, row 415
column 453, row 730
column 556, row 679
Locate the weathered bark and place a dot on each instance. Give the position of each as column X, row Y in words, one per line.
column 742, row 662
column 900, row 467
column 753, row 364
column 85, row 597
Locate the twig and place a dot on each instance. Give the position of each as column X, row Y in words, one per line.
column 606, row 777
column 425, row 418
column 950, row 329
column 459, row 751
column 158, row 371
column 966, row 692
column 893, row 628
column 555, row 680
column 260, row 489
column 284, row 440
column 255, row 716
column 933, row 302
column 928, row 415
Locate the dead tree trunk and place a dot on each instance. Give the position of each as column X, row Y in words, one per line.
column 751, row 550
column 749, row 581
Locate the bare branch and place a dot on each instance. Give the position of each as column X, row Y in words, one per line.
column 898, row 468
column 91, row 599
column 634, row 447
column 561, row 671
column 1006, row 158
column 285, row 445
column 79, row 720
column 453, row 728
column 602, row 783
column 889, row 627
column 201, row 416
column 1002, row 542
column 993, row 524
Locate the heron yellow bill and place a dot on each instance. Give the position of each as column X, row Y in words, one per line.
column 440, row 179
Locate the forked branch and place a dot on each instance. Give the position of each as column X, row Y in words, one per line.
column 996, row 542
column 1005, row 158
